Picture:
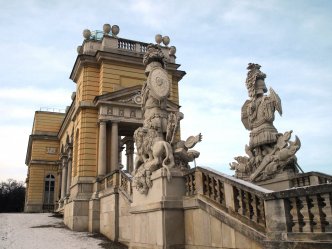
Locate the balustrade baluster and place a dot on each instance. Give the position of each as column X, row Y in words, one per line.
column 248, row 200
column 261, row 211
column 307, row 216
column 255, row 203
column 212, row 188
column 294, row 215
column 327, row 211
column 206, row 189
column 236, row 198
column 317, row 213
column 242, row 202
column 193, row 184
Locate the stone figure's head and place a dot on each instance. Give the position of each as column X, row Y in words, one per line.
column 255, row 80
column 153, row 57
column 260, row 87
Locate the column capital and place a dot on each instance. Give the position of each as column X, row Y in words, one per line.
column 102, row 122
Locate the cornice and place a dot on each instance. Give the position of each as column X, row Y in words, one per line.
column 82, row 60
column 33, row 137
column 67, row 119
column 116, row 55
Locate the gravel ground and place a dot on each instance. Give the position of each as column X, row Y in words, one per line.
column 45, row 231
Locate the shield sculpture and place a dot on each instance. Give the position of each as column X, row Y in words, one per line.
column 158, row 83
column 276, row 99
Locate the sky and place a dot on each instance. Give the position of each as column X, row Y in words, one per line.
column 215, row 40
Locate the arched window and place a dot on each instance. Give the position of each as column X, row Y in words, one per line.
column 49, row 189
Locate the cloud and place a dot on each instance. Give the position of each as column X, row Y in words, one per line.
column 13, row 149
column 292, row 41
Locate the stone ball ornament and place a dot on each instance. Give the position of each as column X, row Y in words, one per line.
column 86, row 34
column 166, row 40
column 107, row 28
column 172, row 50
column 158, row 38
column 115, row 30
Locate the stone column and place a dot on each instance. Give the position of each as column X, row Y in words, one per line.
column 121, row 147
column 102, row 149
column 59, row 184
column 64, row 178
column 130, row 155
column 69, row 165
column 115, row 146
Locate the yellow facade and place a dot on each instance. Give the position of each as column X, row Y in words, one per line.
column 105, row 78
column 42, row 160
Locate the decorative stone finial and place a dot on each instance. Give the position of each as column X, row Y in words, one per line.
column 166, row 40
column 106, row 28
column 79, row 49
column 158, row 38
column 172, row 50
column 115, row 30
column 86, row 34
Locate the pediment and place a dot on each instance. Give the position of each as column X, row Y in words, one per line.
column 128, row 96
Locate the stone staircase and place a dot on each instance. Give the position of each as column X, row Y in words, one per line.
column 300, row 217
column 215, row 210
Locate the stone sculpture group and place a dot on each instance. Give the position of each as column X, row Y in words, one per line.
column 156, row 142
column 269, row 153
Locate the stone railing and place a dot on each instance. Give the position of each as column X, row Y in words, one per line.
column 289, row 214
column 241, row 199
column 109, row 43
column 117, row 179
column 126, row 184
column 310, row 178
column 132, row 45
column 126, row 44
column 108, row 180
column 307, row 209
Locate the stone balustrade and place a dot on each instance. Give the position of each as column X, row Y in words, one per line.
column 307, row 209
column 117, row 179
column 310, row 178
column 241, row 199
column 126, row 184
column 108, row 180
column 109, row 43
column 280, row 215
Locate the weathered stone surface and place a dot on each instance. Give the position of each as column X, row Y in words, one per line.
column 269, row 153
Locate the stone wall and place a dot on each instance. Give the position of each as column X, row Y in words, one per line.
column 202, row 230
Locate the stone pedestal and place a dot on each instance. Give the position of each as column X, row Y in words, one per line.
column 157, row 219
column 94, row 215
column 76, row 207
column 278, row 183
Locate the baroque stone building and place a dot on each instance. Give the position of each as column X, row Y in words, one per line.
column 81, row 162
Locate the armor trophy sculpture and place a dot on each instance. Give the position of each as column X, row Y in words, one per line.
column 156, row 142
column 269, row 153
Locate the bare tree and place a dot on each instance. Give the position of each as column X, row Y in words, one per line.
column 12, row 195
